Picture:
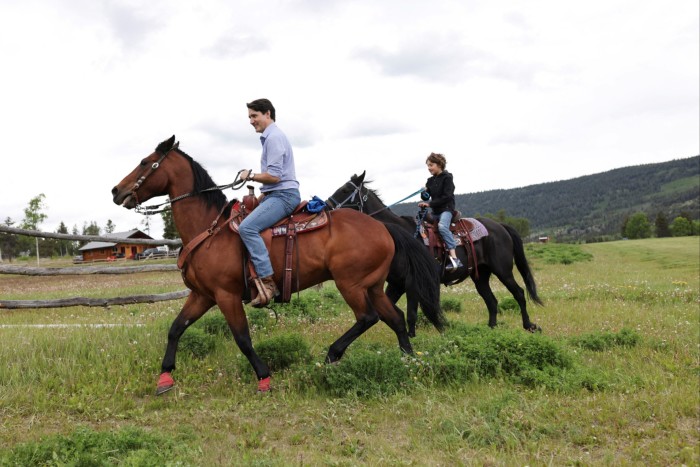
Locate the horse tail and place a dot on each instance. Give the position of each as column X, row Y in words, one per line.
column 522, row 264
column 421, row 277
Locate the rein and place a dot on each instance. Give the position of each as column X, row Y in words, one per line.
column 363, row 198
column 397, row 202
column 153, row 209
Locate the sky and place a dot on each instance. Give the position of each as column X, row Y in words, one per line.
column 513, row 93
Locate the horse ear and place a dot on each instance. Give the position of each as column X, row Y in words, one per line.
column 362, row 177
column 166, row 145
column 176, row 145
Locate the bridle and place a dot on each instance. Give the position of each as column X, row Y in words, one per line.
column 362, row 199
column 152, row 209
column 350, row 200
column 147, row 174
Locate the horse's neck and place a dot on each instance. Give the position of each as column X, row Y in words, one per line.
column 192, row 217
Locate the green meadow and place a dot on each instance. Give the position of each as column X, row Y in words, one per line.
column 613, row 379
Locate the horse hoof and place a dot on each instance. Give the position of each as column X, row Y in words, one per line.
column 264, row 385
column 534, row 328
column 165, row 383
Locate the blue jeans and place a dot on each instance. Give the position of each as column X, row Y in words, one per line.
column 274, row 206
column 444, row 228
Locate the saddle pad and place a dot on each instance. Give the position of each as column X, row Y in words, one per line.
column 479, row 231
column 476, row 229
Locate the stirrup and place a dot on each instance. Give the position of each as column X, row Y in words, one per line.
column 265, row 294
column 454, row 264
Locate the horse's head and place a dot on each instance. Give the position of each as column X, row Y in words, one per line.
column 353, row 194
column 147, row 180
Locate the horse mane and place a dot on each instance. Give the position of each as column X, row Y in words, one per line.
column 202, row 181
column 373, row 191
column 376, row 193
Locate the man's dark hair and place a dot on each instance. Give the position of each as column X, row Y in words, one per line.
column 262, row 106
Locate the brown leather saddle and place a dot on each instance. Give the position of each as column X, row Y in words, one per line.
column 299, row 222
column 461, row 229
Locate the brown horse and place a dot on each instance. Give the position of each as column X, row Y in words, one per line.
column 215, row 269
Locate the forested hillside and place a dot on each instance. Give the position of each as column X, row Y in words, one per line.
column 594, row 205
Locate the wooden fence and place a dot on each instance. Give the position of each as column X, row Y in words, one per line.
column 84, row 301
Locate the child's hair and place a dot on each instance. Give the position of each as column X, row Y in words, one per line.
column 438, row 159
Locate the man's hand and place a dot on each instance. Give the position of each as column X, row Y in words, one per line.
column 245, row 174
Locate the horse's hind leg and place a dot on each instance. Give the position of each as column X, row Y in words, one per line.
column 365, row 317
column 411, row 313
column 394, row 292
column 369, row 306
column 195, row 306
column 391, row 315
column 519, row 295
column 484, row 289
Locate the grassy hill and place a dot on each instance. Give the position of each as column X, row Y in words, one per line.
column 594, row 205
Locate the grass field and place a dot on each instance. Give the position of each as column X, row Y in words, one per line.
column 613, row 379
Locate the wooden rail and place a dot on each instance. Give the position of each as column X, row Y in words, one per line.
column 84, row 301
column 83, row 270
column 89, row 238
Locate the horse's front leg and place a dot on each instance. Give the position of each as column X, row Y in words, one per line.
column 195, row 306
column 231, row 306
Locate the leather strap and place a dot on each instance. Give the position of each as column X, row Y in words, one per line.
column 288, row 262
column 210, row 232
column 465, row 226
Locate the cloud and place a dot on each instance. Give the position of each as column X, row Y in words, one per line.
column 445, row 59
column 131, row 25
column 432, row 58
column 236, row 45
column 369, row 128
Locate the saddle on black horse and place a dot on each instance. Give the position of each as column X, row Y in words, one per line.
column 466, row 232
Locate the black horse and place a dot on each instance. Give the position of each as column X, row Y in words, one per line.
column 495, row 254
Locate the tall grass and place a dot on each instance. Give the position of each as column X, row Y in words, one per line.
column 613, row 378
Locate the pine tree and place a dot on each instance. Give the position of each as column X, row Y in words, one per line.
column 662, row 227
column 169, row 230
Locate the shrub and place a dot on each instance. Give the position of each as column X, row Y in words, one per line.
column 197, row 342
column 283, row 351
column 451, row 304
column 364, row 373
column 477, row 353
column 306, row 306
column 601, row 341
column 332, row 295
column 126, row 446
column 259, row 318
column 214, row 324
column 508, row 304
column 557, row 253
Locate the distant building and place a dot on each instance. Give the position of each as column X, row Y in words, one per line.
column 95, row 251
column 543, row 239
